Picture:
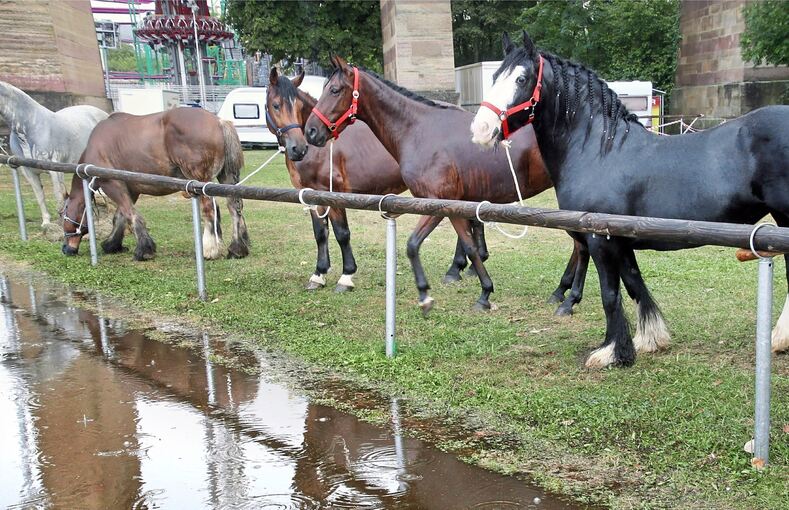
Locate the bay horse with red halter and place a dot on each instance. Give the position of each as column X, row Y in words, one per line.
column 361, row 165
column 430, row 142
column 186, row 143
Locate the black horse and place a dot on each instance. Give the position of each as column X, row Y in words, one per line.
column 601, row 159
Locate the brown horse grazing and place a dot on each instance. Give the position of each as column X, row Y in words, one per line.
column 187, row 143
column 430, row 142
column 361, row 165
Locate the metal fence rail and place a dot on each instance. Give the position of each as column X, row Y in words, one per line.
column 764, row 238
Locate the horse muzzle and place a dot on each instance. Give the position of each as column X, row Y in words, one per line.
column 69, row 251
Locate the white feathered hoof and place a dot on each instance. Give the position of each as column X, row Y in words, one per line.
column 602, row 357
column 651, row 333
column 780, row 340
column 344, row 284
column 316, row 281
column 213, row 249
column 426, row 305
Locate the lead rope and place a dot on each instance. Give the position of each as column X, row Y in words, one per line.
column 331, row 187
column 506, row 144
column 280, row 149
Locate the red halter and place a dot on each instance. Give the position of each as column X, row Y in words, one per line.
column 350, row 113
column 526, row 105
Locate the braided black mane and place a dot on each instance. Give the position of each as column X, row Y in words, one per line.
column 601, row 99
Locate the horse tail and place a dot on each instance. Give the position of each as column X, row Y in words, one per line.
column 234, row 154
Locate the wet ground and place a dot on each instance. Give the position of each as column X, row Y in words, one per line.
column 94, row 414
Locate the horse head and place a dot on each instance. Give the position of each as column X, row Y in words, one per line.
column 74, row 221
column 509, row 103
column 283, row 113
column 338, row 101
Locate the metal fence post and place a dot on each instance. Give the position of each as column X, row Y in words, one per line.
column 88, row 194
column 764, row 311
column 391, row 272
column 20, row 206
column 198, row 248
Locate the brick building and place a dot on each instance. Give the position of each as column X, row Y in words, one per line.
column 712, row 78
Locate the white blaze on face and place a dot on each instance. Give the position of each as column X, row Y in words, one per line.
column 501, row 95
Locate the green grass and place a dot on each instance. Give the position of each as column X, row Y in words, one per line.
column 667, row 432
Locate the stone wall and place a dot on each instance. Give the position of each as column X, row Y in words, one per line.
column 418, row 49
column 712, row 78
column 48, row 49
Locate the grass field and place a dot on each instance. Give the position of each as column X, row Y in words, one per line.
column 667, row 432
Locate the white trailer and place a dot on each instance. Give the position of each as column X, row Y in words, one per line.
column 145, row 101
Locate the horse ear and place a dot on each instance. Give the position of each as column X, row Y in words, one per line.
column 333, row 60
column 298, row 79
column 341, row 63
column 273, row 76
column 529, row 46
column 506, row 44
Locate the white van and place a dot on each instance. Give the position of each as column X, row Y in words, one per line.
column 245, row 107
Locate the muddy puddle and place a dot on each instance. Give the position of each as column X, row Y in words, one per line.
column 94, row 414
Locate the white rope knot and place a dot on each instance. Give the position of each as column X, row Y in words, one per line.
column 753, row 235
column 186, row 187
column 385, row 215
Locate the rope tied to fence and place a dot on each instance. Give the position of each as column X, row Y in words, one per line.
column 280, row 149
column 753, row 236
column 384, row 214
column 507, row 144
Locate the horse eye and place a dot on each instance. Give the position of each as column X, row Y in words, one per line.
column 276, row 106
column 334, row 90
column 520, row 80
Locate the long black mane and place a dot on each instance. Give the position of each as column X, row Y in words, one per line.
column 572, row 81
column 401, row 90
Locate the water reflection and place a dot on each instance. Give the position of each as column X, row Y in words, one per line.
column 95, row 415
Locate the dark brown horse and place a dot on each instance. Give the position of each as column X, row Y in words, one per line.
column 431, row 144
column 188, row 143
column 361, row 165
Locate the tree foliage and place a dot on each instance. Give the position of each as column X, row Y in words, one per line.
column 477, row 27
column 311, row 29
column 766, row 35
column 122, row 58
column 620, row 39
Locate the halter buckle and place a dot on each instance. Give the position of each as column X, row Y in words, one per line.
column 333, row 128
column 503, row 116
column 355, row 94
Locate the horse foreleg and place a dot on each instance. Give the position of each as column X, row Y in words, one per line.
column 239, row 245
column 213, row 247
column 651, row 330
column 342, row 233
column 617, row 348
column 320, row 230
column 423, row 229
column 478, row 232
column 577, row 267
column 114, row 243
column 463, row 229
column 34, row 178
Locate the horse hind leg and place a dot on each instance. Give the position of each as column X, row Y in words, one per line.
column 578, row 272
column 478, row 231
column 239, row 245
column 459, row 262
column 213, row 247
column 780, row 337
column 463, row 229
column 146, row 248
column 423, row 229
column 34, row 178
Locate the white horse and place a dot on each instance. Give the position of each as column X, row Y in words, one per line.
column 39, row 133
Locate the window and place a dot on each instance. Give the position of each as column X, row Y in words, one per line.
column 246, row 111
column 635, row 103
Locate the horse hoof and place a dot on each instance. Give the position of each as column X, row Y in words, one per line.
column 313, row 286
column 451, row 278
column 317, row 281
column 427, row 305
column 237, row 250
column 556, row 299
column 564, row 311
column 142, row 257
column 339, row 289
column 481, row 307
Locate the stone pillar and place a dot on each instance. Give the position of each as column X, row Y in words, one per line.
column 712, row 78
column 48, row 48
column 418, row 50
